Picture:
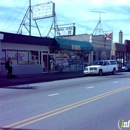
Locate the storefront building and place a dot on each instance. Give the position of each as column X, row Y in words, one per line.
column 73, row 54
column 102, row 46
column 32, row 55
column 29, row 54
column 121, row 52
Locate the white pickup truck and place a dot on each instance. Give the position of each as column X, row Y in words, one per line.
column 101, row 66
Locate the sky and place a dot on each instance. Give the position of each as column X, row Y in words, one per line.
column 114, row 16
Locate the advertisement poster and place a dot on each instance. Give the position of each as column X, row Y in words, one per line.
column 23, row 57
column 33, row 57
column 70, row 64
column 13, row 54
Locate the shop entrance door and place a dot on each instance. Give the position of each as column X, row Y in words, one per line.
column 51, row 63
column 45, row 62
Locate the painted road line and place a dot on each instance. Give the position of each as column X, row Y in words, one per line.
column 90, row 87
column 43, row 116
column 55, row 94
column 116, row 82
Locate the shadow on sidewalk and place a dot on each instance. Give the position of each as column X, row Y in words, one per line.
column 26, row 86
column 37, row 78
column 14, row 129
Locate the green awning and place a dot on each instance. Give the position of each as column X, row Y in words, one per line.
column 73, row 44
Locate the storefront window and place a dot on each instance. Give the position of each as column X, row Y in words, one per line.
column 33, row 57
column 3, row 56
column 71, row 60
column 13, row 54
column 23, row 57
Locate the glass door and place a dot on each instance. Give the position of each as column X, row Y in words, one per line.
column 51, row 63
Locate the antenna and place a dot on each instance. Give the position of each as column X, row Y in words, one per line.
column 99, row 13
column 98, row 29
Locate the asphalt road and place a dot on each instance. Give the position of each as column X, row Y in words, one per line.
column 85, row 103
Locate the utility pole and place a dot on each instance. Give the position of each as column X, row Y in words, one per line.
column 54, row 26
column 27, row 22
column 30, row 18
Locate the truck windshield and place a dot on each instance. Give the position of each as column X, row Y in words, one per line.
column 97, row 63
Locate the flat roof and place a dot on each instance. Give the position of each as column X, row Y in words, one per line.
column 25, row 39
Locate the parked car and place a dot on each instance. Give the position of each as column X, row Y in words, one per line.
column 126, row 67
column 101, row 66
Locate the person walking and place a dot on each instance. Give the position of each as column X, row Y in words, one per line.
column 9, row 67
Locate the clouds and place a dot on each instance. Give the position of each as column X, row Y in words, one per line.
column 12, row 3
column 108, row 3
column 116, row 16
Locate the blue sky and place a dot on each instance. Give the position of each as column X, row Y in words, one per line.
column 116, row 16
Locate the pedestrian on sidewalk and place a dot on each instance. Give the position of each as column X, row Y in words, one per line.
column 9, row 67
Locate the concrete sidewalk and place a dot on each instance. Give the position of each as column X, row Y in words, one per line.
column 35, row 78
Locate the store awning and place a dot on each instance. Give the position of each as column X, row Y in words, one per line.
column 73, row 44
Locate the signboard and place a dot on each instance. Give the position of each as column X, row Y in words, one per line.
column 45, row 10
column 76, row 47
column 108, row 35
column 65, row 31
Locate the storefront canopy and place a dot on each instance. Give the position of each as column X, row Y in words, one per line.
column 73, row 44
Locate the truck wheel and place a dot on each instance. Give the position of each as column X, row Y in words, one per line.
column 114, row 71
column 100, row 72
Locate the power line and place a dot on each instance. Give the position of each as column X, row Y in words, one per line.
column 66, row 18
column 16, row 16
column 11, row 14
column 48, row 27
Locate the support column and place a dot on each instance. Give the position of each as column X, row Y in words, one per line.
column 91, row 56
column 1, row 38
column 30, row 18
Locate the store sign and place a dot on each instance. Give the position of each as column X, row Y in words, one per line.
column 65, row 31
column 76, row 47
column 45, row 10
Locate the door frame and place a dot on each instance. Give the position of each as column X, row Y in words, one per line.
column 44, row 62
column 51, row 63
